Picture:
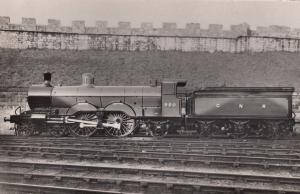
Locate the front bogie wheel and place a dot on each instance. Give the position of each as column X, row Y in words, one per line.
column 24, row 129
column 57, row 130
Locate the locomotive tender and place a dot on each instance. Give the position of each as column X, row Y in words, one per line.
column 235, row 112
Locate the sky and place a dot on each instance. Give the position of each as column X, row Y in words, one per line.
column 226, row 12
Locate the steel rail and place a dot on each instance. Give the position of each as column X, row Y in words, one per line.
column 291, row 159
column 35, row 188
column 164, row 141
column 259, row 152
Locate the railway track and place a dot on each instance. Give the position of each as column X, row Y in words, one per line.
column 264, row 146
column 167, row 139
column 280, row 152
column 69, row 165
column 129, row 178
column 16, row 188
column 141, row 157
column 274, row 149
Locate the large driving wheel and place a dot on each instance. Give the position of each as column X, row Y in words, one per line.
column 127, row 124
column 80, row 131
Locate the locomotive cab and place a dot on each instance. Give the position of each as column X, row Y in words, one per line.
column 171, row 102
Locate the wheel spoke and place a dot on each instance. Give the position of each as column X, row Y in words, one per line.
column 127, row 129
column 124, row 128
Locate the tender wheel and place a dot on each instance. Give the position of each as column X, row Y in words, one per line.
column 204, row 128
column 272, row 131
column 57, row 130
column 262, row 130
column 220, row 129
column 279, row 129
column 79, row 131
column 127, row 124
column 158, row 128
column 286, row 129
column 240, row 129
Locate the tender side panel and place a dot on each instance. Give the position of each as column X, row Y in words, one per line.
column 241, row 106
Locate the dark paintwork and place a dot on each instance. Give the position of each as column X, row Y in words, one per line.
column 243, row 102
column 163, row 101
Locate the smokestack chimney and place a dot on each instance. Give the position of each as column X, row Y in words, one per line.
column 47, row 79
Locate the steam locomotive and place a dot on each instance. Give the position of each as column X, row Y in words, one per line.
column 119, row 111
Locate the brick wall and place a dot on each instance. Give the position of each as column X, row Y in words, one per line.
column 22, row 68
column 124, row 28
column 240, row 38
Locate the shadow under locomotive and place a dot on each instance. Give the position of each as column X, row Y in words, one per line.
column 119, row 111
